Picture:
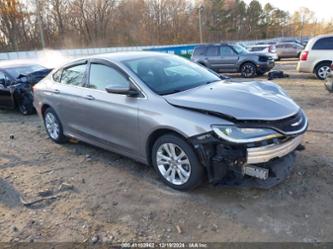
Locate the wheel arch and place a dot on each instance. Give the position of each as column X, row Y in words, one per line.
column 155, row 135
column 246, row 61
column 44, row 108
column 319, row 63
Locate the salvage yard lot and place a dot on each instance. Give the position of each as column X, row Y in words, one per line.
column 101, row 196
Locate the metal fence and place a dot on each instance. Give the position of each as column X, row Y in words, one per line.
column 180, row 49
column 183, row 49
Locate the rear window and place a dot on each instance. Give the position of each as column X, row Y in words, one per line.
column 199, row 51
column 213, row 51
column 323, row 44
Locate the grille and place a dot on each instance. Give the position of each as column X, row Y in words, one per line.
column 295, row 124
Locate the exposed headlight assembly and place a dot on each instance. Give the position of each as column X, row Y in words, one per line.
column 239, row 135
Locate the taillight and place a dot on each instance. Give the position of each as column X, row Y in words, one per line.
column 304, row 56
column 332, row 67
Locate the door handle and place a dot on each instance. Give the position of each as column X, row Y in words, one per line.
column 56, row 91
column 89, row 97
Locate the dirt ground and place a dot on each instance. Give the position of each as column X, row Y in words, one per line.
column 101, row 196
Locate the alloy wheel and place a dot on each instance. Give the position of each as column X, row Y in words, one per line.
column 323, row 71
column 248, row 70
column 52, row 125
column 173, row 163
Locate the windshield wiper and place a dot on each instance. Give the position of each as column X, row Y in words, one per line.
column 211, row 81
column 172, row 92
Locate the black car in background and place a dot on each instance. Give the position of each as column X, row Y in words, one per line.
column 16, row 82
column 232, row 58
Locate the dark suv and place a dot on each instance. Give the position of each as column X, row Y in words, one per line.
column 232, row 58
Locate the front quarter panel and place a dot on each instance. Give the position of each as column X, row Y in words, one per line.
column 156, row 114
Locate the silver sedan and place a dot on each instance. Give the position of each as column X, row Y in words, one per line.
column 186, row 121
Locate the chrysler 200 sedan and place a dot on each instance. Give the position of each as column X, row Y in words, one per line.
column 188, row 122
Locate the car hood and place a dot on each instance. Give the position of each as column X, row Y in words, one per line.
column 238, row 100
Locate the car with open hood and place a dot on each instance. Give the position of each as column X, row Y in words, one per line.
column 16, row 81
column 187, row 121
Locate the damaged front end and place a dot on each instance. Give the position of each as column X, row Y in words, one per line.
column 257, row 154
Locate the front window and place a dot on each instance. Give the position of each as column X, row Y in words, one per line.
column 227, row 51
column 170, row 74
column 15, row 72
column 240, row 49
column 102, row 76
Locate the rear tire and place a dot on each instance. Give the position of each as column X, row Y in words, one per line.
column 176, row 163
column 322, row 70
column 53, row 126
column 248, row 70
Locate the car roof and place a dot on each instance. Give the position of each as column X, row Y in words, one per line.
column 322, row 36
column 214, row 44
column 123, row 56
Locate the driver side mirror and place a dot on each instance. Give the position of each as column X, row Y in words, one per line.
column 123, row 90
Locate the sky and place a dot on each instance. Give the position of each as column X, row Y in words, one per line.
column 322, row 8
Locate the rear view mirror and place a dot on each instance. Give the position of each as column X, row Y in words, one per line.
column 127, row 90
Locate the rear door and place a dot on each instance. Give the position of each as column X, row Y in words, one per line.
column 214, row 59
column 6, row 92
column 66, row 95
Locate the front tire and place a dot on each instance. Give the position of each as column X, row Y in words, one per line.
column 322, row 70
column 176, row 163
column 26, row 109
column 53, row 126
column 248, row 70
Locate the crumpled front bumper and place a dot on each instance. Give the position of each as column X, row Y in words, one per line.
column 279, row 170
column 247, row 166
column 266, row 153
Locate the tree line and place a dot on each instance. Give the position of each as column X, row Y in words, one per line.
column 32, row 24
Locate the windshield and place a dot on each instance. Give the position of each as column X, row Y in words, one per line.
column 240, row 50
column 16, row 71
column 170, row 74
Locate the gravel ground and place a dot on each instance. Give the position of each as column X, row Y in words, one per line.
column 101, row 196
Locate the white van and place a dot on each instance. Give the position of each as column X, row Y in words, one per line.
column 317, row 56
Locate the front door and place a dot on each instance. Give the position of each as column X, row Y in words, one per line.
column 111, row 119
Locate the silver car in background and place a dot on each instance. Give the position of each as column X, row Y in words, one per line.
column 288, row 50
column 186, row 121
column 269, row 49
